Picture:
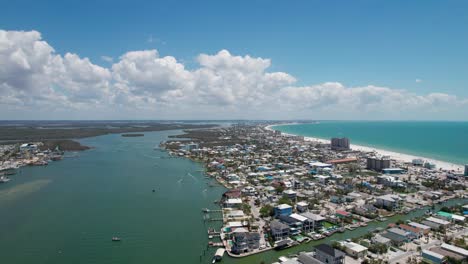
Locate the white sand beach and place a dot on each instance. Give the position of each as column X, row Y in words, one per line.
column 393, row 155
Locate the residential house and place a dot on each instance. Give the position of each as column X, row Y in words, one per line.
column 279, row 231
column 327, row 254
column 389, row 201
column 283, row 209
column 354, row 250
column 244, row 242
column 315, row 219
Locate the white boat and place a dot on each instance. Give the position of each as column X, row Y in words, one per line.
column 4, row 179
column 218, row 255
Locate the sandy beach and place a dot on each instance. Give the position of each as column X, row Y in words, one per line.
column 393, row 155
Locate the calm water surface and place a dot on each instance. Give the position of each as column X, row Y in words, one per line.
column 68, row 212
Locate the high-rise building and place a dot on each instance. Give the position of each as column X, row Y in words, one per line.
column 378, row 164
column 466, row 170
column 340, row 143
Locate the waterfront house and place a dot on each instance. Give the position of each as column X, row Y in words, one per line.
column 389, row 201
column 327, row 254
column 307, row 258
column 435, row 223
column 294, row 224
column 365, row 210
column 398, row 236
column 234, row 215
column 354, row 250
column 425, row 229
column 233, row 203
column 315, row 219
column 279, row 231
column 233, row 193
column 342, row 214
column 244, row 242
column 379, row 239
column 298, row 222
column 396, row 239
column 283, row 209
column 414, row 231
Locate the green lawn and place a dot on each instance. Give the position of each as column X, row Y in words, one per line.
column 328, row 225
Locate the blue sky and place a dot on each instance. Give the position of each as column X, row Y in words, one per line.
column 356, row 43
column 390, row 43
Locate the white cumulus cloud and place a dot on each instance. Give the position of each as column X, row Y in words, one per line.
column 36, row 81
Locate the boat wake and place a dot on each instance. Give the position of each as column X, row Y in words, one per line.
column 190, row 174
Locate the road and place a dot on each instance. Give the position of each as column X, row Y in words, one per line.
column 256, row 214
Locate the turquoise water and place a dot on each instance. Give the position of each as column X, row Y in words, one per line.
column 68, row 211
column 446, row 141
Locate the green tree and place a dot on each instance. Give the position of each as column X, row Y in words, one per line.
column 267, row 210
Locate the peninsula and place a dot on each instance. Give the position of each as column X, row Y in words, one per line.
column 286, row 190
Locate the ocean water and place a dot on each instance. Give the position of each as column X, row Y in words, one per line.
column 445, row 141
column 68, row 211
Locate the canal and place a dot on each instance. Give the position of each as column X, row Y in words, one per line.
column 272, row 255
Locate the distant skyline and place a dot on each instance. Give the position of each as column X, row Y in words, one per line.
column 341, row 60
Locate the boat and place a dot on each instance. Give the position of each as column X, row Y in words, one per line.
column 283, row 244
column 115, row 239
column 218, row 255
column 4, row 179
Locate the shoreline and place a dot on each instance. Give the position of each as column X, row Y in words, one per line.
column 393, row 155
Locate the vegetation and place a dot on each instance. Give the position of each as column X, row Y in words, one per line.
column 378, row 248
column 267, row 210
column 246, row 208
column 285, row 200
column 39, row 131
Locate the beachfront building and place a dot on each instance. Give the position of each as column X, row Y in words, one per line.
column 327, row 254
column 389, row 201
column 378, row 164
column 417, row 162
column 283, row 209
column 340, row 143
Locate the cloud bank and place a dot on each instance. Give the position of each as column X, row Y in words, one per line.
column 38, row 83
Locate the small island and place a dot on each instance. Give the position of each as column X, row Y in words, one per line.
column 133, row 135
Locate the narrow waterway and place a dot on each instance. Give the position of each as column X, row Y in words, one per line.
column 272, row 255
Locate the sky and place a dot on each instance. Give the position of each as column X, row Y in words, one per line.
column 362, row 60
